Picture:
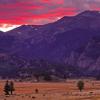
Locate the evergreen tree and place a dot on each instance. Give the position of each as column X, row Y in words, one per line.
column 7, row 88
column 80, row 85
column 12, row 87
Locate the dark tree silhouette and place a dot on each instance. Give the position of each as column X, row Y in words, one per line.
column 80, row 85
column 12, row 87
column 7, row 88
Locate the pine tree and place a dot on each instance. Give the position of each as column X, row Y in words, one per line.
column 80, row 85
column 12, row 87
column 7, row 88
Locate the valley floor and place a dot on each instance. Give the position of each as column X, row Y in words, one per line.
column 53, row 91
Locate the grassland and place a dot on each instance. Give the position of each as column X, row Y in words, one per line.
column 53, row 91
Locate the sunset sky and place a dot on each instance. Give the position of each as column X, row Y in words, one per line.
column 18, row 12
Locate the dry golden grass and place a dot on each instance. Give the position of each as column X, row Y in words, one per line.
column 53, row 91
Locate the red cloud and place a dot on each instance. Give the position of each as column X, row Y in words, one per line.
column 18, row 12
column 95, row 7
column 53, row 1
column 28, row 11
column 23, row 13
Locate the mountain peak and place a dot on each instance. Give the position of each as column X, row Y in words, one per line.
column 89, row 13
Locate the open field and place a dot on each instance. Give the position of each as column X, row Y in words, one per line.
column 53, row 91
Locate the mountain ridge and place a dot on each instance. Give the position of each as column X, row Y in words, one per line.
column 65, row 41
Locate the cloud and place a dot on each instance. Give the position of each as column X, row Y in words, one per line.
column 42, row 11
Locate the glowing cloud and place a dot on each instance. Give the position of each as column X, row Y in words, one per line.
column 18, row 12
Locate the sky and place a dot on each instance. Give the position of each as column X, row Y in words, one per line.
column 14, row 13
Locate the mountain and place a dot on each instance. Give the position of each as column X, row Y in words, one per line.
column 57, row 40
column 89, row 57
column 17, row 67
column 64, row 41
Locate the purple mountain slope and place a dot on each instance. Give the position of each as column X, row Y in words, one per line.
column 54, row 41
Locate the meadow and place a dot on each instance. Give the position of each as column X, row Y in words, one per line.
column 52, row 91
